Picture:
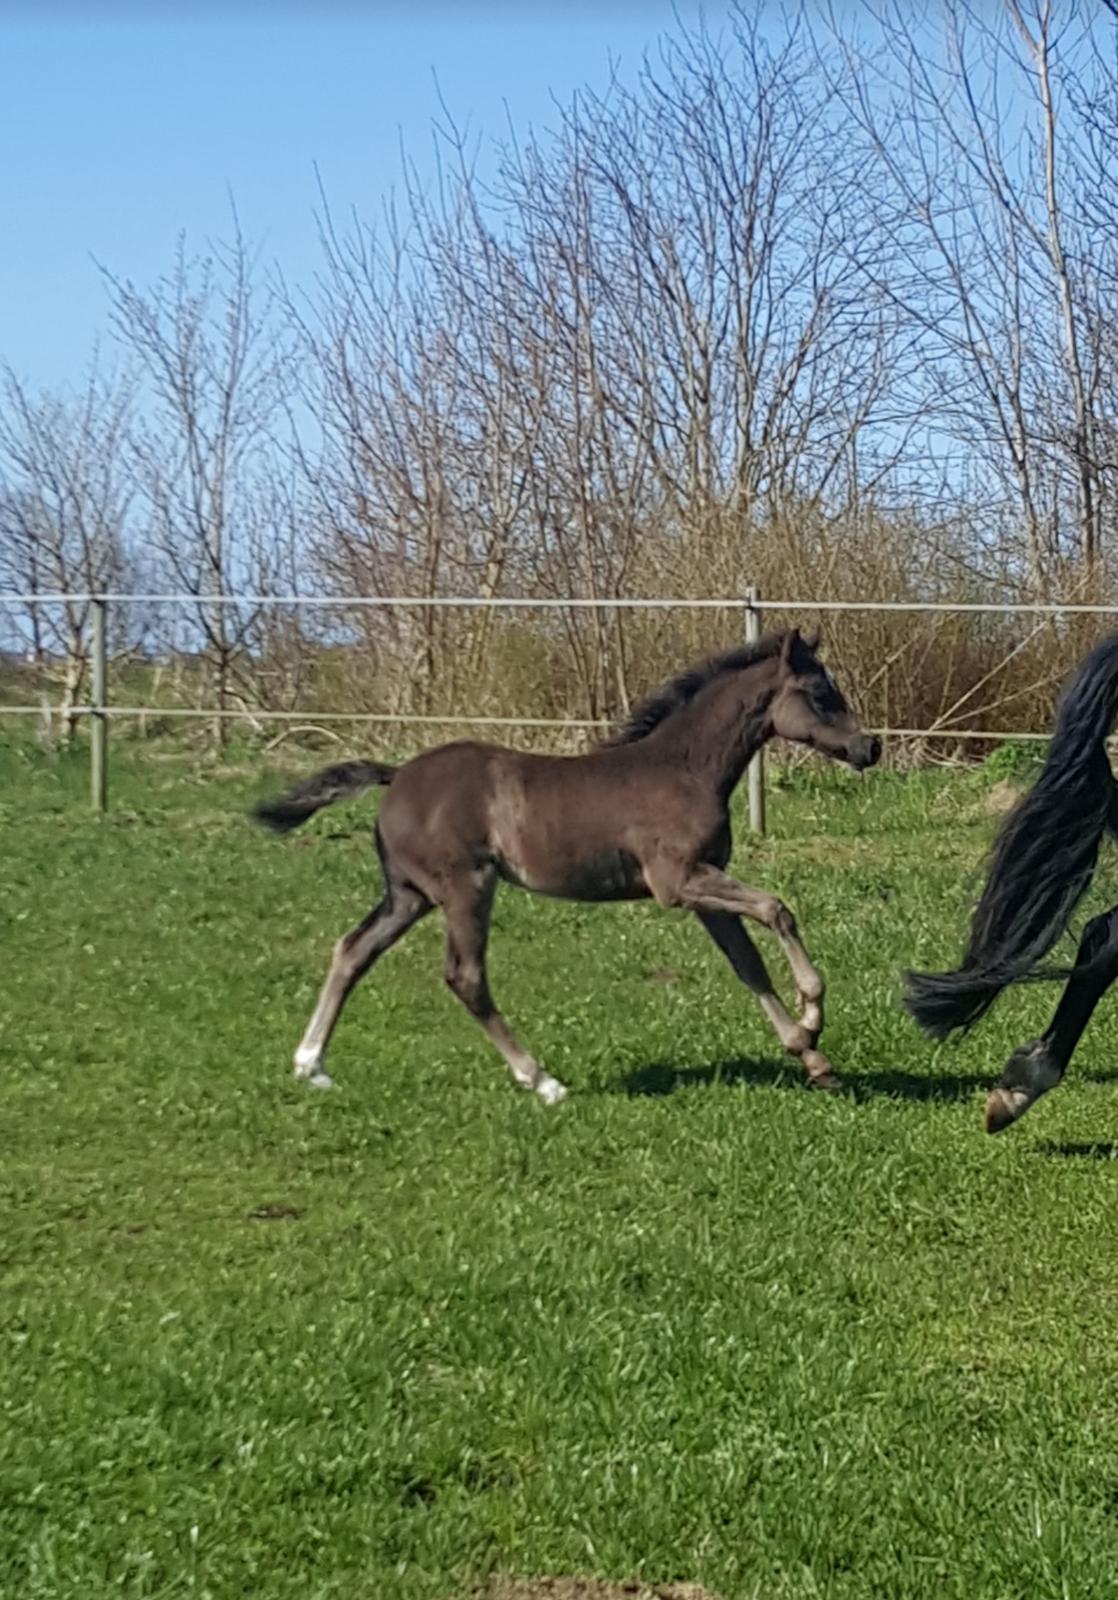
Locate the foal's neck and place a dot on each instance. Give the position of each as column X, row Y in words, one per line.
column 717, row 735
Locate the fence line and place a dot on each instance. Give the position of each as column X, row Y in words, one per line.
column 244, row 714
column 1033, row 608
column 749, row 603
column 944, row 733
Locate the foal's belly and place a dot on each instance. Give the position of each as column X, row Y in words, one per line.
column 603, row 875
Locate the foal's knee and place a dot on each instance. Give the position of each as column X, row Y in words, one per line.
column 775, row 915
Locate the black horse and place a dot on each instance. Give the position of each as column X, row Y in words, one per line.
column 1042, row 862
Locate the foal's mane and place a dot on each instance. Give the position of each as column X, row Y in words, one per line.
column 654, row 708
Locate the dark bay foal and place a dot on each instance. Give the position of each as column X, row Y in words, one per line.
column 645, row 815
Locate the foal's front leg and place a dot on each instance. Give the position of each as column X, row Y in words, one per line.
column 706, row 889
column 743, row 955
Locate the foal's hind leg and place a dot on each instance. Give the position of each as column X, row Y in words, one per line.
column 354, row 954
column 467, row 933
column 743, row 955
column 1040, row 1065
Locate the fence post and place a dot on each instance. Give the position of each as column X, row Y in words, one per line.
column 755, row 773
column 99, row 722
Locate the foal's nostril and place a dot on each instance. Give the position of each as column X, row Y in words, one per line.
column 867, row 753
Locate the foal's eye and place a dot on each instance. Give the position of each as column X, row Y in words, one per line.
column 824, row 698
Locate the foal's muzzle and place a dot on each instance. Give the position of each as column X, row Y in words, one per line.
column 864, row 751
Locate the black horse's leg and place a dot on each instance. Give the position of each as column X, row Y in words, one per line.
column 1040, row 1065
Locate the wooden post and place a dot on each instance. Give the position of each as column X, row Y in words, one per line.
column 755, row 772
column 99, row 722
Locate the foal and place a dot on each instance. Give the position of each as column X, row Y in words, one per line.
column 646, row 815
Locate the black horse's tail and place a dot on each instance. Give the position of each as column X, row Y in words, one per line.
column 292, row 809
column 1042, row 861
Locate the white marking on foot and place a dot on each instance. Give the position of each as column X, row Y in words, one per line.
column 321, row 1080
column 308, row 1063
column 550, row 1090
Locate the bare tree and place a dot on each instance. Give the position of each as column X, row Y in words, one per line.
column 969, row 171
column 1088, row 196
column 65, row 497
column 216, row 373
column 724, row 198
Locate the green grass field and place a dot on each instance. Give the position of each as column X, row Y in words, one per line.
column 695, row 1324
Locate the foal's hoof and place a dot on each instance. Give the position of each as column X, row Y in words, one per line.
column 820, row 1073
column 316, row 1077
column 550, row 1090
column 829, row 1082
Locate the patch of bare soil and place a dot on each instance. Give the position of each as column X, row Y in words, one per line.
column 587, row 1589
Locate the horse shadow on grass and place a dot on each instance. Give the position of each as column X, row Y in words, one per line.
column 1074, row 1150
column 658, row 1079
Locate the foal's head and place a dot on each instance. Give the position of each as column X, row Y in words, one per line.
column 808, row 706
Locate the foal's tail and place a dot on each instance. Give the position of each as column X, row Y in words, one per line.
column 1042, row 861
column 292, row 809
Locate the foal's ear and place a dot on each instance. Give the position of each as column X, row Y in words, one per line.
column 790, row 644
column 812, row 640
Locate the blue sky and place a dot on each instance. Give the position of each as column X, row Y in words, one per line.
column 122, row 124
